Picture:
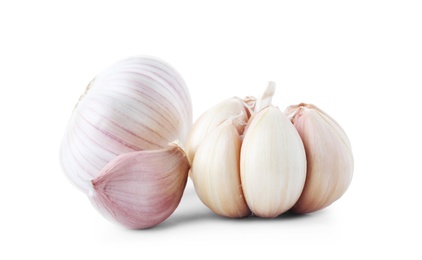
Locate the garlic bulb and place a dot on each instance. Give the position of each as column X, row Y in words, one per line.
column 272, row 163
column 329, row 157
column 141, row 189
column 263, row 174
column 139, row 103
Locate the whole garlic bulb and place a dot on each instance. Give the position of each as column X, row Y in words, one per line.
column 300, row 160
column 329, row 157
column 139, row 103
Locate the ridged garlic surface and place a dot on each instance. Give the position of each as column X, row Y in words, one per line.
column 208, row 121
column 141, row 189
column 139, row 103
column 215, row 171
column 329, row 157
column 272, row 163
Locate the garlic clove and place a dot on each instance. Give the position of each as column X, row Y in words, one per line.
column 207, row 122
column 215, row 172
column 139, row 103
column 329, row 157
column 141, row 189
column 272, row 163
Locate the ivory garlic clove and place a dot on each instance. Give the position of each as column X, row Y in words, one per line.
column 329, row 157
column 272, row 163
column 215, row 172
column 207, row 122
column 139, row 103
column 141, row 189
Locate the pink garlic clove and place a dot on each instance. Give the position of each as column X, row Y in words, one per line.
column 329, row 157
column 141, row 189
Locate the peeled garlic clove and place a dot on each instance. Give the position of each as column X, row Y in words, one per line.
column 329, row 157
column 139, row 103
column 141, row 189
column 207, row 122
column 215, row 172
column 272, row 163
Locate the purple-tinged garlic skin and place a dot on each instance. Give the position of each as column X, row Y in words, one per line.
column 141, row 189
column 328, row 154
column 139, row 103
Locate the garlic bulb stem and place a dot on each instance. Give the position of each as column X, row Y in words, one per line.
column 266, row 97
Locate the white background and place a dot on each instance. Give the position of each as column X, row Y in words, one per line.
column 360, row 61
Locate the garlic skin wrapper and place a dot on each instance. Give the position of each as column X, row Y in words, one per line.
column 215, row 171
column 329, row 157
column 139, row 103
column 141, row 189
column 272, row 163
column 207, row 122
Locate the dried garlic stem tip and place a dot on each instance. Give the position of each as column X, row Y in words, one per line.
column 272, row 163
column 266, row 97
column 329, row 157
column 141, row 189
column 215, row 172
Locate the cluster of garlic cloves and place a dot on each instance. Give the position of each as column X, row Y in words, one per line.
column 248, row 157
column 116, row 145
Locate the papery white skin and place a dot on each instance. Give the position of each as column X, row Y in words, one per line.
column 141, row 189
column 215, row 171
column 139, row 103
column 272, row 163
column 329, row 157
